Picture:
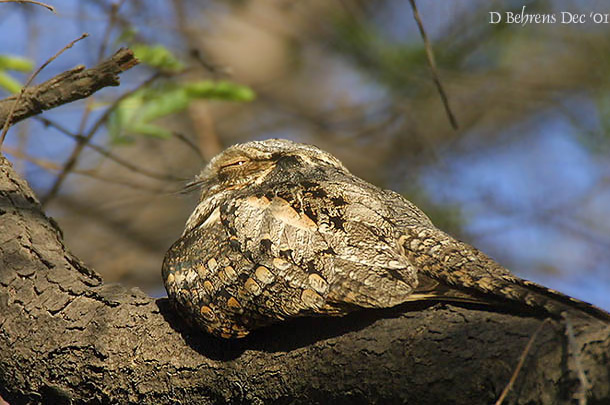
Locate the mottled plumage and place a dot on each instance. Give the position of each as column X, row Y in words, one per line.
column 284, row 229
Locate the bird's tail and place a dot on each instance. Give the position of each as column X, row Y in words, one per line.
column 475, row 277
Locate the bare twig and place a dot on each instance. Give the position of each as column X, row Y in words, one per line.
column 104, row 152
column 513, row 378
column 71, row 85
column 38, row 3
column 95, row 214
column 84, row 140
column 7, row 123
column 432, row 63
column 189, row 143
column 54, row 167
column 32, row 49
column 114, row 9
column 209, row 143
column 42, row 163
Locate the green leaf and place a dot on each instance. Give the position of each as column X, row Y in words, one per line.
column 127, row 35
column 116, row 123
column 222, row 90
column 159, row 104
column 9, row 62
column 157, row 56
column 151, row 130
column 8, row 83
column 136, row 113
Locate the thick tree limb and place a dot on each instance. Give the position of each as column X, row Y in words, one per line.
column 66, row 336
column 72, row 85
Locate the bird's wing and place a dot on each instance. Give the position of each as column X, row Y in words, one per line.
column 332, row 244
column 211, row 281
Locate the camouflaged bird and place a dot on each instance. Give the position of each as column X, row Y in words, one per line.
column 283, row 229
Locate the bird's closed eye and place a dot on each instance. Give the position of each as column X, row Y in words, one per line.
column 234, row 164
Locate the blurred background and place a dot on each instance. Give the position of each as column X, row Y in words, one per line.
column 525, row 178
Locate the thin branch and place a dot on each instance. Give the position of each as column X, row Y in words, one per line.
column 42, row 163
column 189, row 143
column 32, row 50
column 106, row 218
column 54, row 167
column 209, row 142
column 7, row 123
column 513, row 378
column 432, row 63
column 80, row 144
column 38, row 3
column 114, row 9
column 106, row 153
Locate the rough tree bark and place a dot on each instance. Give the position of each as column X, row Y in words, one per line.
column 67, row 337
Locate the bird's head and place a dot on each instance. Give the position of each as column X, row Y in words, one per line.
column 251, row 163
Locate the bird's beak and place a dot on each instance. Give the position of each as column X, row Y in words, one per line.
column 197, row 183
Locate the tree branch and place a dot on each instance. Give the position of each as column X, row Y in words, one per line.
column 72, row 85
column 38, row 3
